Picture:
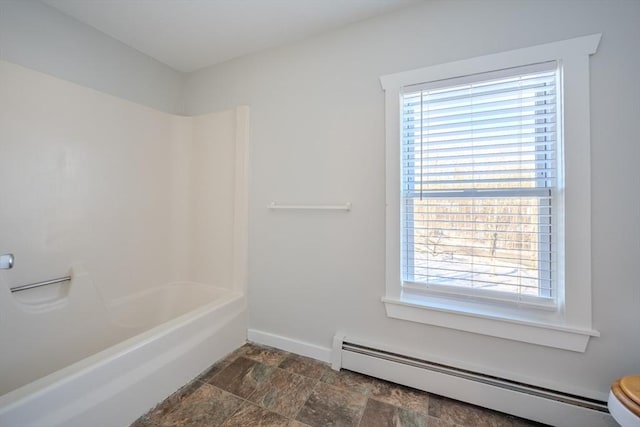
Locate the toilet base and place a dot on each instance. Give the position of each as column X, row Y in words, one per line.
column 621, row 414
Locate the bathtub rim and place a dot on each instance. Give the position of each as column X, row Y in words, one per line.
column 214, row 292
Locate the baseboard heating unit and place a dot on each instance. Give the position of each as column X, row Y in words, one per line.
column 523, row 400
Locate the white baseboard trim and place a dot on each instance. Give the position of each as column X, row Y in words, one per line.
column 289, row 344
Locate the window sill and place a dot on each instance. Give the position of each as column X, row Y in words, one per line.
column 468, row 317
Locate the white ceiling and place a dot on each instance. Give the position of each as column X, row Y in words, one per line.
column 192, row 34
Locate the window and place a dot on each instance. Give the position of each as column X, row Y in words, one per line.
column 488, row 225
column 479, row 185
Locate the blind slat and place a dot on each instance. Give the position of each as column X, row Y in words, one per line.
column 412, row 117
column 442, row 111
column 515, row 137
column 468, row 151
column 528, row 130
column 506, row 163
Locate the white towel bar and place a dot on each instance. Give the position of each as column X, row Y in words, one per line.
column 341, row 207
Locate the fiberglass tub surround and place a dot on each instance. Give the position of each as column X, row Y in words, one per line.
column 146, row 211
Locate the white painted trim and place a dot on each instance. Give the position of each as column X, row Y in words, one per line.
column 336, row 351
column 586, row 45
column 550, row 335
column 573, row 219
column 392, row 192
column 302, row 348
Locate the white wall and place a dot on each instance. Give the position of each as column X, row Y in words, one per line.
column 42, row 38
column 318, row 137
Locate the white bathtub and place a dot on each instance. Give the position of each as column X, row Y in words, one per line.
column 153, row 343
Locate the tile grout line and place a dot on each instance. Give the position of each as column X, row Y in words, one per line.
column 201, row 382
column 366, row 402
column 247, row 399
column 316, row 380
column 306, row 400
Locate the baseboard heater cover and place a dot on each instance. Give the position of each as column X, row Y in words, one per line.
column 517, row 398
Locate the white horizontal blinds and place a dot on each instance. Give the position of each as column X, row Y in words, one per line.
column 478, row 177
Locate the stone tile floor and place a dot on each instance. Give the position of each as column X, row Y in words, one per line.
column 263, row 386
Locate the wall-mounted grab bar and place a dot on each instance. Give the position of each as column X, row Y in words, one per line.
column 342, row 207
column 38, row 284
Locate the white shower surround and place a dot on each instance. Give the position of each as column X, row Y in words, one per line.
column 147, row 212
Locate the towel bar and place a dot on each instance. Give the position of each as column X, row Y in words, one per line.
column 341, row 207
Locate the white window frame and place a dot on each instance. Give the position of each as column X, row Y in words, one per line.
column 549, row 190
column 568, row 325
